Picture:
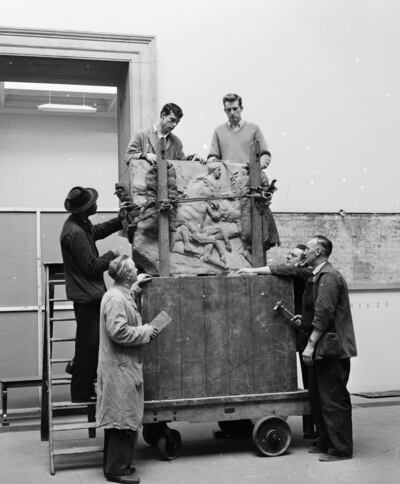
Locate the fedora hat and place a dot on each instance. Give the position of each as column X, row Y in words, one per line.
column 80, row 199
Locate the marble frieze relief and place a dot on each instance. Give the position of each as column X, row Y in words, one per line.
column 209, row 216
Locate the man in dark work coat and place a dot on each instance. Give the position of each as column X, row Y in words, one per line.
column 329, row 349
column 85, row 286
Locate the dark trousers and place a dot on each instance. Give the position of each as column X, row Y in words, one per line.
column 308, row 422
column 119, row 447
column 86, row 350
column 331, row 405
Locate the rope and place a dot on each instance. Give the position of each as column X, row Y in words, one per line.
column 165, row 205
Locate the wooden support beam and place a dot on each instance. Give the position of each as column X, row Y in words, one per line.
column 163, row 216
column 2, row 95
column 257, row 250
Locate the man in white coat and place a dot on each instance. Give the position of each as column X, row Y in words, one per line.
column 120, row 399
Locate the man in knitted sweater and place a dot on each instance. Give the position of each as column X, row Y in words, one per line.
column 233, row 140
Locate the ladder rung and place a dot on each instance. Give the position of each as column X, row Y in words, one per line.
column 67, row 405
column 62, row 319
column 60, row 360
column 55, row 282
column 78, row 450
column 61, row 381
column 58, row 340
column 74, row 426
column 59, row 300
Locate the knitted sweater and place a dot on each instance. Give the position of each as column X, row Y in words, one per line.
column 236, row 146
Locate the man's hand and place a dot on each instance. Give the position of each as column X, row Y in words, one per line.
column 264, row 161
column 154, row 333
column 143, row 279
column 296, row 320
column 123, row 209
column 245, row 270
column 199, row 158
column 151, row 158
column 308, row 354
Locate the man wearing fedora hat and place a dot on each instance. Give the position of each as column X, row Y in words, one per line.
column 85, row 286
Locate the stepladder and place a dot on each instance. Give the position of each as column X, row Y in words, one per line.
column 62, row 420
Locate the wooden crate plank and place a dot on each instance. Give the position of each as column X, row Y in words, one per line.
column 262, row 335
column 284, row 336
column 150, row 368
column 169, row 341
column 285, row 359
column 192, row 334
column 239, row 320
column 216, row 337
column 163, row 217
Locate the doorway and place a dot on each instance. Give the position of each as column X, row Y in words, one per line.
column 30, row 234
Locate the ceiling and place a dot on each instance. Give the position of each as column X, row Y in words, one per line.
column 24, row 98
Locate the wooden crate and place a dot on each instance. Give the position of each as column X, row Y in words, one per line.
column 224, row 338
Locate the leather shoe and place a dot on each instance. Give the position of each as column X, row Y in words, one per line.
column 334, row 457
column 70, row 367
column 123, row 479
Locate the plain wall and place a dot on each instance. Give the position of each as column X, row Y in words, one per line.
column 43, row 156
column 321, row 78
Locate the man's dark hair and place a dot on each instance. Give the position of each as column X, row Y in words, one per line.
column 231, row 98
column 325, row 244
column 172, row 108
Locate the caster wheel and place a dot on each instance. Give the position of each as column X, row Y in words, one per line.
column 150, row 434
column 169, row 444
column 272, row 436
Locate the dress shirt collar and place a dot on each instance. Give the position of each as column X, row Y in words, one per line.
column 235, row 127
column 318, row 268
column 159, row 135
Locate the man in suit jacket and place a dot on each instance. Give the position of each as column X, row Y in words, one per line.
column 143, row 145
column 329, row 349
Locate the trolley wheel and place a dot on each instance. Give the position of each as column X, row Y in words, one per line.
column 272, row 436
column 169, row 444
column 150, row 434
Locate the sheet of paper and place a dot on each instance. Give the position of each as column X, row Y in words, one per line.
column 161, row 321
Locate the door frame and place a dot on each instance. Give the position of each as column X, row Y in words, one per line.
column 136, row 80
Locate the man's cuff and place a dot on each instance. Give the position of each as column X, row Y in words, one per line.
column 136, row 290
column 318, row 325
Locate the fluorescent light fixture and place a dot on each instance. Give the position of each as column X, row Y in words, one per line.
column 60, row 87
column 67, row 108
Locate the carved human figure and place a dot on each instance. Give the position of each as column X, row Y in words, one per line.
column 196, row 223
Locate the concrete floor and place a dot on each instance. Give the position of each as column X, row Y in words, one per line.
column 205, row 460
